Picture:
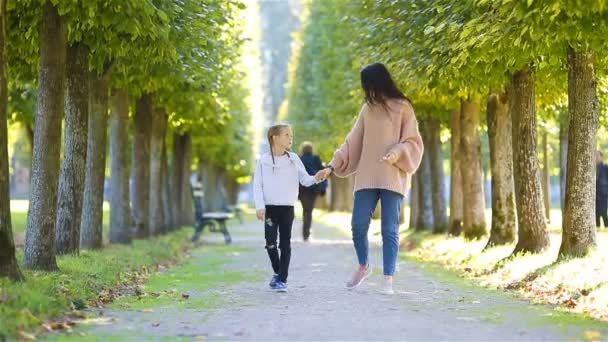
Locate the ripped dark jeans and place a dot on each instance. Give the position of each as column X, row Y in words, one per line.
column 278, row 222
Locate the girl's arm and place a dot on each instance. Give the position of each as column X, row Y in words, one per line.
column 410, row 147
column 258, row 192
column 346, row 158
column 303, row 176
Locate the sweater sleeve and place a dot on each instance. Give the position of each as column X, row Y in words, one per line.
column 258, row 192
column 410, row 148
column 303, row 177
column 346, row 158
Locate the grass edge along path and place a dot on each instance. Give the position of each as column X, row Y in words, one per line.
column 578, row 286
column 91, row 278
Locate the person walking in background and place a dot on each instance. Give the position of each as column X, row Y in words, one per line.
column 601, row 190
column 308, row 195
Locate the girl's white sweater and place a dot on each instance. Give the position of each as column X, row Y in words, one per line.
column 277, row 183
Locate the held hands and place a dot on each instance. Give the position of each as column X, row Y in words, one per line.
column 391, row 158
column 323, row 174
column 261, row 214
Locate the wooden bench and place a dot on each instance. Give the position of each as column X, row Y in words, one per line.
column 215, row 221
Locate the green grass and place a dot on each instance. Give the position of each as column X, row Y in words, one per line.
column 204, row 276
column 19, row 220
column 205, row 270
column 43, row 296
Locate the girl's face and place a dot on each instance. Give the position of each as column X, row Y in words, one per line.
column 284, row 140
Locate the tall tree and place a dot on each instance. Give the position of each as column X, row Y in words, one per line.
column 71, row 182
column 440, row 218
column 456, row 196
column 504, row 222
column 40, row 235
column 120, row 208
column 141, row 165
column 91, row 236
column 532, row 230
column 8, row 262
column 474, row 222
column 578, row 228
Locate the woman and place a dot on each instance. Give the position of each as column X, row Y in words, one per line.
column 383, row 150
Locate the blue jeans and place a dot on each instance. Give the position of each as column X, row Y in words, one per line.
column 364, row 207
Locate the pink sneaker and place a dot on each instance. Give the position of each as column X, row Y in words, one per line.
column 358, row 278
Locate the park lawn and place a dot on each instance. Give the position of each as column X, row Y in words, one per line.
column 577, row 285
column 82, row 279
column 19, row 220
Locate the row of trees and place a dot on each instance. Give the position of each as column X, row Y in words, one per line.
column 163, row 76
column 517, row 62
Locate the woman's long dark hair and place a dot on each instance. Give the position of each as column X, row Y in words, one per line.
column 379, row 86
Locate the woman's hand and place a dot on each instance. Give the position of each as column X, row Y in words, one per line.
column 261, row 214
column 391, row 157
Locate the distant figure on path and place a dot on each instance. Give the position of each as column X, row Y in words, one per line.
column 308, row 195
column 601, row 190
column 382, row 150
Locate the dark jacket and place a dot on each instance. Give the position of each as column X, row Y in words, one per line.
column 601, row 184
column 313, row 164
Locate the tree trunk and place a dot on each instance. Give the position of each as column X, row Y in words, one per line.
column 71, row 183
column 563, row 156
column 140, row 168
column 546, row 176
column 504, row 221
column 414, row 205
column 425, row 197
column 474, row 222
column 578, row 228
column 340, row 188
column 120, row 208
column 209, row 176
column 456, row 195
column 532, row 230
column 232, row 191
column 167, row 207
column 176, row 171
column 40, row 235
column 157, row 143
column 440, row 216
column 91, row 236
column 187, row 211
column 8, row 262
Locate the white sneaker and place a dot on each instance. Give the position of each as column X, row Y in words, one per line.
column 387, row 288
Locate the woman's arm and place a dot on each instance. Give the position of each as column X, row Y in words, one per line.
column 410, row 148
column 346, row 158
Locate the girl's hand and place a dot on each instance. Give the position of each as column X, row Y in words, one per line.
column 391, row 158
column 323, row 174
column 261, row 214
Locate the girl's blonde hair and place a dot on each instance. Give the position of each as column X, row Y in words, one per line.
column 274, row 131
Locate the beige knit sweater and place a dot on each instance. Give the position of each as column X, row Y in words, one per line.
column 376, row 132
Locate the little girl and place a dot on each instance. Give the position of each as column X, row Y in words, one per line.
column 275, row 185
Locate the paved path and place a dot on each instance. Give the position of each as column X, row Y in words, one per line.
column 427, row 305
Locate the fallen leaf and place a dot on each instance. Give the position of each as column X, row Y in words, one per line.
column 147, row 310
column 25, row 336
column 593, row 335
